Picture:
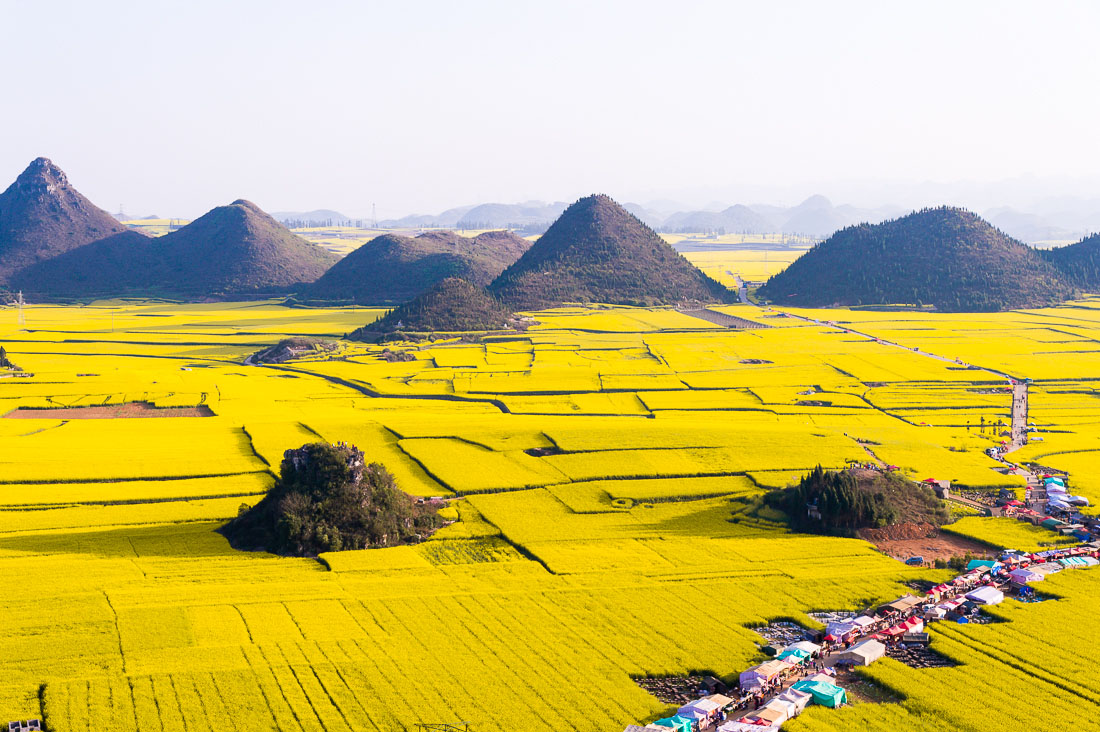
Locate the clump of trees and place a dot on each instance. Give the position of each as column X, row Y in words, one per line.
column 327, row 498
column 832, row 502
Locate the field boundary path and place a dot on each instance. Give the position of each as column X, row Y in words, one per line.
column 1019, row 427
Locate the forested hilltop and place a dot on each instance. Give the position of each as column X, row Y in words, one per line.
column 597, row 251
column 946, row 257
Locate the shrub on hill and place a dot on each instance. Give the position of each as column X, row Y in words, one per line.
column 597, row 251
column 328, row 499
column 830, row 502
column 947, row 257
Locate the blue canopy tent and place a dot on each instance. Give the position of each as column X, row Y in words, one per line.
column 678, row 723
column 825, row 694
column 794, row 655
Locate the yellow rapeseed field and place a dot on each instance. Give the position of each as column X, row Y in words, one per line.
column 605, row 470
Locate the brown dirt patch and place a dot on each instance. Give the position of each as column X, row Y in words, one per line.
column 132, row 410
column 902, row 541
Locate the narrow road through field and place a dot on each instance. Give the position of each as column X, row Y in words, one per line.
column 742, row 289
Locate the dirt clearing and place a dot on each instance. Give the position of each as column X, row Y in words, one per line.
column 902, row 541
column 131, row 410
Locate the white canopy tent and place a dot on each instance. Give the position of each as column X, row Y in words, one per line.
column 799, row 699
column 806, row 646
column 699, row 709
column 735, row 726
column 986, row 595
column 865, row 652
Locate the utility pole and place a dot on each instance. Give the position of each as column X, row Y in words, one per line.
column 19, row 304
column 373, row 216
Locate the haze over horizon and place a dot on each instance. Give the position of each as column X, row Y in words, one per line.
column 417, row 109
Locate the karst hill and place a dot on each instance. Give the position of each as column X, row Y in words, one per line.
column 43, row 216
column 946, row 257
column 450, row 306
column 1079, row 263
column 394, row 269
column 599, row 252
column 231, row 250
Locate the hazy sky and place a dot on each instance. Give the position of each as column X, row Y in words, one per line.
column 174, row 107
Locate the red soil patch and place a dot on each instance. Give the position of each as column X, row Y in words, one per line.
column 131, row 410
column 902, row 541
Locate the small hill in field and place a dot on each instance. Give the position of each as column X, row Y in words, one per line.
column 451, row 306
column 392, row 268
column 231, row 250
column 598, row 252
column 42, row 216
column 947, row 257
column 843, row 502
column 327, row 499
column 1079, row 263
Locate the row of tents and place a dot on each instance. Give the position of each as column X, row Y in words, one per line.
column 979, row 586
column 1059, row 498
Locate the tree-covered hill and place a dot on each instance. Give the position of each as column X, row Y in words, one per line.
column 231, row 250
column 451, row 306
column 328, row 498
column 599, row 252
column 1079, row 263
column 393, row 268
column 947, row 257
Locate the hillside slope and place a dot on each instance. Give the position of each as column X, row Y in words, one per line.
column 1079, row 263
column 42, row 216
column 948, row 257
column 598, row 252
column 392, row 268
column 231, row 250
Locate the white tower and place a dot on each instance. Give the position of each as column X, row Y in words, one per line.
column 19, row 303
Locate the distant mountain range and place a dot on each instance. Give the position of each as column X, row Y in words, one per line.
column 529, row 217
column 814, row 217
